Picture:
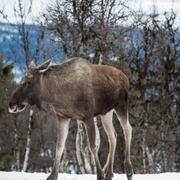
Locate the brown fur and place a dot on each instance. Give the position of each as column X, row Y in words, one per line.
column 76, row 89
column 81, row 89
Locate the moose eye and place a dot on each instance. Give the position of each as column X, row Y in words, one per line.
column 28, row 83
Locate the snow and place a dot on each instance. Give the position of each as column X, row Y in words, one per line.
column 43, row 176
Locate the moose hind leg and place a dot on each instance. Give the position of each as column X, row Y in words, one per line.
column 90, row 129
column 111, row 134
column 62, row 132
column 122, row 114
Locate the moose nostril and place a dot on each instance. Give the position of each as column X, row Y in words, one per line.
column 12, row 108
column 15, row 109
column 10, row 104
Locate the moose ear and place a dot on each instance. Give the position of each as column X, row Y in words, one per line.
column 31, row 64
column 44, row 67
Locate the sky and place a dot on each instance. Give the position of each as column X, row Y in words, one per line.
column 37, row 7
column 40, row 5
column 162, row 5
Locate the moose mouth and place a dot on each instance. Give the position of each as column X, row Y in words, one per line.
column 16, row 108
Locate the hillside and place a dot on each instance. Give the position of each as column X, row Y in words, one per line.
column 12, row 49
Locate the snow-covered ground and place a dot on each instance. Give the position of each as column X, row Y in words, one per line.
column 43, row 176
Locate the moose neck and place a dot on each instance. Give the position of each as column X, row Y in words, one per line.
column 51, row 87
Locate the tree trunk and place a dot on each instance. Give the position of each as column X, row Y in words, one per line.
column 84, row 156
column 98, row 138
column 28, row 143
column 143, row 155
column 150, row 159
column 78, row 150
column 101, row 58
column 82, row 151
column 17, row 151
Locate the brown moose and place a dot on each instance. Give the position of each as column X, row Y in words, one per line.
column 79, row 90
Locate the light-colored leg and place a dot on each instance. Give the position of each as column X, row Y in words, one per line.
column 90, row 129
column 122, row 114
column 111, row 134
column 62, row 132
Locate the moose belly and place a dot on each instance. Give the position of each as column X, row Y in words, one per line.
column 105, row 100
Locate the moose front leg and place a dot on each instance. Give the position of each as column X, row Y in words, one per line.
column 90, row 129
column 62, row 132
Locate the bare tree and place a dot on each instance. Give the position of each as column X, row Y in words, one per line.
column 28, row 143
column 84, row 28
column 22, row 13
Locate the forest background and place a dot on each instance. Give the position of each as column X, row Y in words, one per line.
column 144, row 45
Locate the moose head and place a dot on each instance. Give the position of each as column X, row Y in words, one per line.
column 28, row 90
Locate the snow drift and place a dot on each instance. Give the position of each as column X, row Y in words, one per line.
column 43, row 176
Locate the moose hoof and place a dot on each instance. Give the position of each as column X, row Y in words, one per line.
column 52, row 177
column 108, row 175
column 129, row 176
column 100, row 176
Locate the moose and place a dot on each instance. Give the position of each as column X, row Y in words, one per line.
column 78, row 89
